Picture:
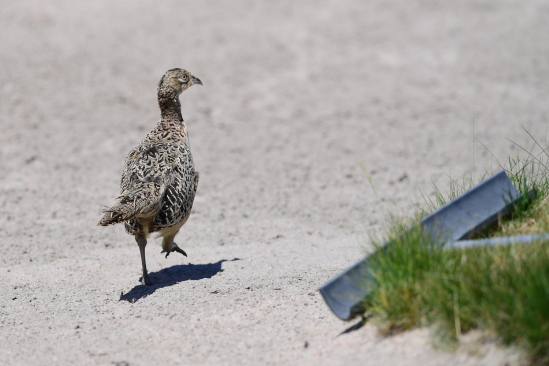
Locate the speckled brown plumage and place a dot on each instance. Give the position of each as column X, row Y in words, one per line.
column 159, row 180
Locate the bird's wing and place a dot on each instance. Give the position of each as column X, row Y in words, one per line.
column 147, row 174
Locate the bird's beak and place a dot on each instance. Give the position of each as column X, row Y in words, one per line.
column 197, row 81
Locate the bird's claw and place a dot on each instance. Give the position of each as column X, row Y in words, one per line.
column 175, row 248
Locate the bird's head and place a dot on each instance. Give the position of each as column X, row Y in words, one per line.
column 174, row 82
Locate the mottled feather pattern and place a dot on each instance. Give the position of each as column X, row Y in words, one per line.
column 164, row 159
column 159, row 182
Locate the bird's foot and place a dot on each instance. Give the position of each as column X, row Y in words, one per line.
column 147, row 280
column 175, row 248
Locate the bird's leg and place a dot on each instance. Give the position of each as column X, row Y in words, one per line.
column 142, row 243
column 169, row 246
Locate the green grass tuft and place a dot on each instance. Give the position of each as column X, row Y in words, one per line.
column 503, row 290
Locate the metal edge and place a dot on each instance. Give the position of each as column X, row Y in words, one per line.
column 346, row 310
column 340, row 293
column 469, row 225
column 504, row 240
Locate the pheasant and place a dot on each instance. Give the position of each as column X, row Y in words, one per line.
column 159, row 181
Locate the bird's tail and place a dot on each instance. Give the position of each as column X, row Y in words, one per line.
column 125, row 209
column 144, row 200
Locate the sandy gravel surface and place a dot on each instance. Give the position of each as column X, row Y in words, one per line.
column 295, row 95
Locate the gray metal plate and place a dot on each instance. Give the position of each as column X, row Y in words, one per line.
column 458, row 219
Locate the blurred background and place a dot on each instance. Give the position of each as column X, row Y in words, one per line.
column 296, row 96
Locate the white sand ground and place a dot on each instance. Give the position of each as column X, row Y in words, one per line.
column 295, row 95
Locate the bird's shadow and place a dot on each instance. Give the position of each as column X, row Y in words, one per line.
column 173, row 275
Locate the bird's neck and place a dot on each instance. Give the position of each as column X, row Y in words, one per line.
column 170, row 107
